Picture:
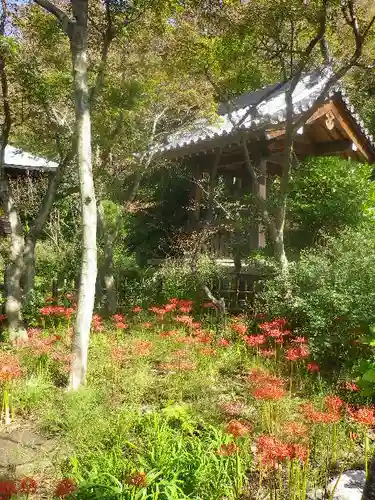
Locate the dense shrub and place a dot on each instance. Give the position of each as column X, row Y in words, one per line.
column 331, row 297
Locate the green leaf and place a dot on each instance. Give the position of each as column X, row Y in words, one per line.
column 369, row 376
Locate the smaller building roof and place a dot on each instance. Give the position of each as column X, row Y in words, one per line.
column 18, row 159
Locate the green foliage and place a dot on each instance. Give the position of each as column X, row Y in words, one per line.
column 330, row 296
column 327, row 195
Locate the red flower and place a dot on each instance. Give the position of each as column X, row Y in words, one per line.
column 272, row 451
column 187, row 320
column 313, row 367
column 364, row 416
column 275, row 328
column 147, row 325
column 350, row 386
column 136, row 309
column 319, row 417
column 158, row 310
column 8, row 488
column 138, row 479
column 169, row 333
column 28, row 485
column 121, row 326
column 170, row 307
column 3, row 317
column 223, row 343
column 10, row 368
column 65, row 488
column 227, row 450
column 294, row 429
column 334, row 403
column 258, row 377
column 240, row 328
column 255, row 340
column 237, row 428
column 299, row 340
column 296, row 353
column 118, row 317
column 143, row 347
column 267, row 353
column 268, row 393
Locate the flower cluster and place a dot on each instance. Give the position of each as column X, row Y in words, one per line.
column 275, row 328
column 272, row 451
column 238, row 429
column 297, row 352
column 28, row 486
column 97, row 323
column 60, row 311
column 138, row 479
column 266, row 386
column 227, row 450
column 10, row 368
column 364, row 416
column 120, row 321
column 334, row 405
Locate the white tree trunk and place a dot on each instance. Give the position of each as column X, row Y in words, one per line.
column 78, row 39
column 14, row 268
column 107, row 271
column 28, row 277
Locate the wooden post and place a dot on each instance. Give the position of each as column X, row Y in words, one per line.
column 263, row 193
column 212, row 186
column 196, row 197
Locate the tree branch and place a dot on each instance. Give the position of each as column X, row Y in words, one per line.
column 60, row 15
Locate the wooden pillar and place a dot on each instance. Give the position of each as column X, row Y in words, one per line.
column 262, row 179
column 212, row 186
column 196, row 198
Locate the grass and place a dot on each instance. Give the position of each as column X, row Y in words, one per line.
column 161, row 415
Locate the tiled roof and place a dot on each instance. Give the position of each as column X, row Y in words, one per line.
column 245, row 114
column 17, row 158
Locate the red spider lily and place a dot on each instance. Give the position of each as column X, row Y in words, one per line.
column 319, row 417
column 240, row 328
column 170, row 307
column 299, row 340
column 233, row 408
column 275, row 328
column 187, row 340
column 185, row 306
column 272, row 451
column 143, row 347
column 255, row 340
column 313, row 367
column 196, row 326
column 169, row 333
column 350, row 386
column 298, row 352
column 118, row 354
column 121, row 326
column 223, row 343
column 65, row 488
column 32, row 332
column 8, row 488
column 137, row 309
column 227, row 450
column 28, row 485
column 118, row 317
column 147, row 325
column 204, row 338
column 268, row 393
column 187, row 320
column 3, row 317
column 267, row 353
column 10, row 368
column 173, row 300
column 334, row 403
column 294, row 429
column 138, row 479
column 259, row 377
column 97, row 323
column 238, row 429
column 207, row 351
column 159, row 311
column 364, row 416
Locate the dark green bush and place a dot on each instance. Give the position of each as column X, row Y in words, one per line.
column 331, row 297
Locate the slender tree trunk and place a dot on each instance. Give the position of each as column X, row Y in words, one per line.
column 28, row 278
column 107, row 273
column 78, row 42
column 15, row 266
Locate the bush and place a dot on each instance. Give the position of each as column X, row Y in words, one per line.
column 332, row 296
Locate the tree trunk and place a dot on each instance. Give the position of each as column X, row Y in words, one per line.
column 14, row 268
column 279, row 250
column 28, row 278
column 108, row 266
column 78, row 43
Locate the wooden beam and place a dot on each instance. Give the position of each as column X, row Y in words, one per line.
column 321, row 111
column 344, row 125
